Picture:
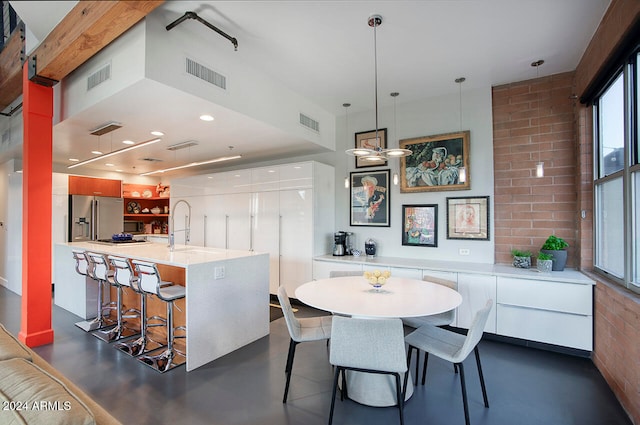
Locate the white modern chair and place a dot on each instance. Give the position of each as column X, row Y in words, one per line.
column 301, row 330
column 441, row 319
column 98, row 269
column 452, row 347
column 369, row 346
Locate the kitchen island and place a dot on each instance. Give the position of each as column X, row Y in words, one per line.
column 227, row 291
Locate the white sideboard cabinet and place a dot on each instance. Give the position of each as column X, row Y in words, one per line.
column 552, row 308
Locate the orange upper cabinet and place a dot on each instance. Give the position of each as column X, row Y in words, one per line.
column 91, row 186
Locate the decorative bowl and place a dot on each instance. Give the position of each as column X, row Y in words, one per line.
column 155, row 210
column 377, row 278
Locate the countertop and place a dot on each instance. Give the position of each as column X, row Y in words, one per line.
column 182, row 256
column 566, row 276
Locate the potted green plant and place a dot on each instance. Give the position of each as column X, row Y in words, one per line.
column 556, row 247
column 521, row 259
column 545, row 262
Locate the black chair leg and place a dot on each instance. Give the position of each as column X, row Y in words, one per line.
column 464, row 394
column 400, row 397
column 484, row 389
column 288, row 368
column 424, row 368
column 333, row 394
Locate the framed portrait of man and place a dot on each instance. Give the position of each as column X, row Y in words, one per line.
column 369, row 203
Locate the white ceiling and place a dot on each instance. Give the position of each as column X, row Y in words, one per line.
column 324, row 51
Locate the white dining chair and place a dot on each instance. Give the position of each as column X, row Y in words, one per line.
column 442, row 319
column 344, row 273
column 300, row 330
column 369, row 346
column 453, row 347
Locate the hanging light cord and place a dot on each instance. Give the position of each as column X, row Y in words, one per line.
column 375, row 67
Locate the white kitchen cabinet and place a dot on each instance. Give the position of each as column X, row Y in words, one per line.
column 545, row 311
column 476, row 289
column 265, row 231
column 237, row 209
column 323, row 269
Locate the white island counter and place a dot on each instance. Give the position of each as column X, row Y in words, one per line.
column 227, row 292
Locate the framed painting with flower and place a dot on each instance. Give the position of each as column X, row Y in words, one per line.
column 420, row 225
column 437, row 163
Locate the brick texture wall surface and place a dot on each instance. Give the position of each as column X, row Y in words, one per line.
column 534, row 121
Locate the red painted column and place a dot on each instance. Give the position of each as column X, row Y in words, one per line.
column 37, row 114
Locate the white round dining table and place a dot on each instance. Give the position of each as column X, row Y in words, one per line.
column 398, row 298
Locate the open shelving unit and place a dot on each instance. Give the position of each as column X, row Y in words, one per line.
column 144, row 196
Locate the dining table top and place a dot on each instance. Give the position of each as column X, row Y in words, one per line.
column 399, row 297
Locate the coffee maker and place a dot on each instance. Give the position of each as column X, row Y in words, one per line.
column 339, row 243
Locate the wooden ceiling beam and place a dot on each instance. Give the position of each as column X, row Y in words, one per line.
column 11, row 60
column 84, row 31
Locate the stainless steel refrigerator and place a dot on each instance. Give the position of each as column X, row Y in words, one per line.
column 94, row 217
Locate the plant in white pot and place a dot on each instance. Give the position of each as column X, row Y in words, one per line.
column 544, row 263
column 556, row 247
column 521, row 259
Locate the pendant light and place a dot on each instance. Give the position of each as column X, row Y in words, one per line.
column 540, row 164
column 462, row 171
column 394, row 95
column 346, row 115
column 377, row 154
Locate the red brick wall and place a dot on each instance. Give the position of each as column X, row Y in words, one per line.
column 617, row 311
column 534, row 120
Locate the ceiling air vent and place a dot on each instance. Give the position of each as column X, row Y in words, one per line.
column 206, row 74
column 182, row 145
column 99, row 77
column 151, row 159
column 309, row 123
column 105, row 128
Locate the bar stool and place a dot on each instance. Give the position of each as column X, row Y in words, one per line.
column 143, row 343
column 99, row 270
column 84, row 268
column 151, row 283
column 120, row 280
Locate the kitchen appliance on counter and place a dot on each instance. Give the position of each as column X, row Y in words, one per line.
column 94, row 217
column 348, row 243
column 133, row 227
column 339, row 243
column 370, row 247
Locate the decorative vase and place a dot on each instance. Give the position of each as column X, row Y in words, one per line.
column 559, row 258
column 544, row 266
column 522, row 262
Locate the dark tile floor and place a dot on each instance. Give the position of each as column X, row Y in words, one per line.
column 526, row 386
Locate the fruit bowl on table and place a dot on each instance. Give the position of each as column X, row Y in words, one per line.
column 377, row 278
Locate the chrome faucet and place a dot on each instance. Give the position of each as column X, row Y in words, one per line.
column 186, row 230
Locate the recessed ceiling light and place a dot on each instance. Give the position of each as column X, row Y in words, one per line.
column 206, row 117
column 157, row 133
column 74, row 159
column 108, row 164
column 128, row 142
column 96, row 152
column 119, row 170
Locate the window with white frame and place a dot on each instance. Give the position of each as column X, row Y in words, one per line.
column 617, row 175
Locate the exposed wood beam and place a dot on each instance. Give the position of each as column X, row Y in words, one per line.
column 84, row 31
column 11, row 59
column 87, row 28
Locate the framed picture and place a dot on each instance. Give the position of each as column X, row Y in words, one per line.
column 437, row 163
column 420, row 225
column 369, row 204
column 468, row 218
column 367, row 139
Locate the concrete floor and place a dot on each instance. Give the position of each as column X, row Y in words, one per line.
column 526, row 386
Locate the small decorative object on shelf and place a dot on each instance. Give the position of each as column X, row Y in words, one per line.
column 162, row 190
column 521, row 259
column 377, row 278
column 544, row 262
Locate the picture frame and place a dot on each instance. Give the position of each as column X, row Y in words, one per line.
column 468, row 218
column 420, row 225
column 367, row 139
column 370, row 198
column 437, row 163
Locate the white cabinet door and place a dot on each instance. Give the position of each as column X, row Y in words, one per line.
column 198, row 211
column 476, row 289
column 238, row 220
column 322, row 269
column 296, row 238
column 215, row 222
column 265, row 232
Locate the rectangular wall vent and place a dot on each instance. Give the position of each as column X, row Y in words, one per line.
column 206, row 74
column 309, row 123
column 99, row 77
column 182, row 145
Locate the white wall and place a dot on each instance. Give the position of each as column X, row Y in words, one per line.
column 429, row 117
column 11, row 229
